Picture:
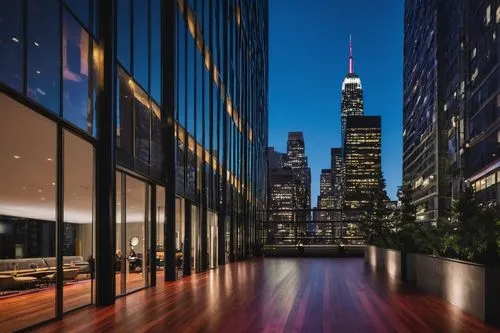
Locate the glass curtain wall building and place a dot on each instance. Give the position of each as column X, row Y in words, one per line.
column 132, row 144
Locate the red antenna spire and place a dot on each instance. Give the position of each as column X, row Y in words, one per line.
column 351, row 59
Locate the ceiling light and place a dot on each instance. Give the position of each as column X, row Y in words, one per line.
column 43, row 199
column 17, row 157
column 36, row 44
column 39, row 190
column 53, row 184
column 49, row 159
column 15, row 39
column 38, row 72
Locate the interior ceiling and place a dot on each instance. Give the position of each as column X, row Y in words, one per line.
column 28, row 170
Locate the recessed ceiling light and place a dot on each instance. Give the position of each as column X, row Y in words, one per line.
column 36, row 44
column 38, row 72
column 17, row 157
column 39, row 190
column 53, row 184
column 49, row 159
column 42, row 199
column 15, row 39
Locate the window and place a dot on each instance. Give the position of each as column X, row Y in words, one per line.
column 142, row 125
column 44, row 60
column 124, row 33
column 81, row 8
column 11, row 44
column 76, row 107
column 155, row 54
column 78, row 226
column 27, row 213
column 156, row 141
column 140, row 42
column 124, row 123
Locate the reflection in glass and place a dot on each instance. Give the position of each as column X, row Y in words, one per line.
column 179, row 234
column 195, row 239
column 123, row 33
column 124, row 123
column 156, row 142
column 27, row 215
column 155, row 53
column 142, row 125
column 160, row 227
column 141, row 50
column 78, row 228
column 212, row 236
column 81, row 9
column 120, row 234
column 11, row 44
column 44, row 59
column 76, row 106
column 136, row 233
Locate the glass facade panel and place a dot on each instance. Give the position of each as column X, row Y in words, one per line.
column 44, row 53
column 27, row 212
column 180, row 223
column 76, row 106
column 160, row 227
column 195, row 239
column 12, row 44
column 156, row 142
column 142, row 125
column 78, row 228
column 124, row 33
column 81, row 8
column 137, row 218
column 155, row 53
column 124, row 122
column 140, row 42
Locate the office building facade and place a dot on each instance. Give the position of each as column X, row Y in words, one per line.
column 297, row 160
column 133, row 140
column 450, row 138
column 362, row 159
column 482, row 109
column 337, row 174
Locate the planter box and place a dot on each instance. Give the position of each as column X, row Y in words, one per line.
column 394, row 263
column 471, row 287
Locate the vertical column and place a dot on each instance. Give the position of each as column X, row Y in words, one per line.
column 168, row 9
column 105, row 156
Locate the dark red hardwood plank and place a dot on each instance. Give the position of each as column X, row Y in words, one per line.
column 277, row 295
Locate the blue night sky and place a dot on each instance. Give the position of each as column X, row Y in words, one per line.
column 308, row 59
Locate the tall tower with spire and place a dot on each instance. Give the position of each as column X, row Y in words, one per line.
column 352, row 94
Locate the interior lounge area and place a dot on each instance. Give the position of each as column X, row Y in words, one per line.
column 31, row 263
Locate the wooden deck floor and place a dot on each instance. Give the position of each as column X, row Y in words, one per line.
column 277, row 295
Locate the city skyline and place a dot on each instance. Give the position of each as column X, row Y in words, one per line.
column 315, row 91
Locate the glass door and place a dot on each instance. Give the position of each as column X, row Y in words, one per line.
column 212, row 237
column 160, row 227
column 132, row 234
column 195, row 238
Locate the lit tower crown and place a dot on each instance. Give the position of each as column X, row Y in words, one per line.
column 352, row 93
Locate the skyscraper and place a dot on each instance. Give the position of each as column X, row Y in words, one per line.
column 451, row 86
column 482, row 137
column 424, row 134
column 352, row 94
column 297, row 160
column 362, row 158
column 337, row 173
